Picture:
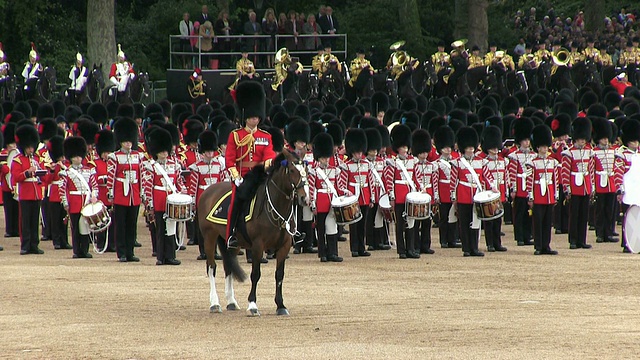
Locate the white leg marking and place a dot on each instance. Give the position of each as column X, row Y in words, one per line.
column 229, row 292
column 213, row 295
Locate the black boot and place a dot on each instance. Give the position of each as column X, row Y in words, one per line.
column 232, row 241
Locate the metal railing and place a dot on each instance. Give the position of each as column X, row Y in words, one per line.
column 258, row 40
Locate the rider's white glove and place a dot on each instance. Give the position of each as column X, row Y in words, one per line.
column 238, row 181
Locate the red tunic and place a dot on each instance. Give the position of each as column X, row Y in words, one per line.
column 397, row 185
column 29, row 186
column 72, row 190
column 604, row 170
column 245, row 150
column 444, row 178
column 319, row 194
column 54, row 182
column 517, row 171
column 425, row 176
column 543, row 182
column 577, row 170
column 622, row 165
column 101, row 179
column 462, row 181
column 123, row 169
column 154, row 185
column 203, row 175
column 357, row 177
column 498, row 168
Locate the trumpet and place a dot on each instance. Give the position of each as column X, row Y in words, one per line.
column 561, row 57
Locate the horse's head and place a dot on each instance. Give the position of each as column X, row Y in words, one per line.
column 296, row 171
column 143, row 77
column 97, row 76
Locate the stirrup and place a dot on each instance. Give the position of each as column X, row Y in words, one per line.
column 232, row 242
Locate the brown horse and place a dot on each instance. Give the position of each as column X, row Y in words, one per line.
column 271, row 227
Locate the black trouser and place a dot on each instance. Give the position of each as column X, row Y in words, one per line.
column 29, row 219
column 468, row 236
column 126, row 218
column 447, row 230
column 508, row 213
column 191, row 233
column 422, row 235
column 165, row 244
column 542, row 219
column 578, row 210
column 624, row 208
column 605, row 216
column 11, row 214
column 105, row 238
column 80, row 242
column 404, row 236
column 58, row 227
column 198, row 235
column 46, row 219
column 561, row 213
column 327, row 244
column 357, row 231
column 373, row 237
column 492, row 230
column 521, row 219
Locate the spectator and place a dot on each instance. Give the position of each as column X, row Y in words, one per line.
column 222, row 28
column 282, row 20
column 252, row 27
column 311, row 27
column 204, row 16
column 195, row 42
column 206, row 43
column 270, row 27
column 322, row 11
column 292, row 27
column 329, row 25
column 302, row 18
column 186, row 28
column 519, row 49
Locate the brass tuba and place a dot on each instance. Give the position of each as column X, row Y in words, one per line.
column 282, row 54
column 399, row 58
column 561, row 57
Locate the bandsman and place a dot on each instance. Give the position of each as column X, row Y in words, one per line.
column 475, row 60
column 518, row 171
column 444, row 141
column 497, row 165
column 426, row 180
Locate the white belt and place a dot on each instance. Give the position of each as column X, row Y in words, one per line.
column 538, row 182
column 58, row 182
column 161, row 188
column 358, row 184
column 578, row 172
column 521, row 175
column 203, row 187
column 31, row 179
column 471, row 185
column 130, row 182
column 604, row 173
column 445, row 181
column 427, row 186
column 403, row 182
column 78, row 192
column 322, row 191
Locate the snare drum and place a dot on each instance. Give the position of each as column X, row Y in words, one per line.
column 631, row 227
column 97, row 216
column 488, row 205
column 387, row 212
column 346, row 209
column 418, row 205
column 179, row 207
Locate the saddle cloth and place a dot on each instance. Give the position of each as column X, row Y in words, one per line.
column 219, row 212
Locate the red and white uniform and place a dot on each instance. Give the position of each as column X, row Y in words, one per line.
column 578, row 167
column 54, row 181
column 425, row 174
column 27, row 186
column 622, row 165
column 543, row 182
column 154, row 185
column 319, row 192
column 204, row 174
column 398, row 186
column 519, row 162
column 462, row 183
column 123, row 179
column 497, row 166
column 74, row 191
column 604, row 170
column 188, row 156
column 444, row 178
column 120, row 75
column 101, row 180
column 358, row 176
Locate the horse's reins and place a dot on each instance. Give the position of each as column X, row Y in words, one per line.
column 279, row 220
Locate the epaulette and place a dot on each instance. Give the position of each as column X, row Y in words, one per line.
column 17, row 159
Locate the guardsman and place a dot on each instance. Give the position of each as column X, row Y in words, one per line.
column 123, row 182
column 591, row 53
column 444, row 140
column 630, row 136
column 561, row 128
column 105, row 145
column 469, row 175
column 578, row 166
column 543, row 189
column 491, row 146
column 475, row 60
column 440, row 59
column 605, row 185
column 399, row 181
column 376, row 233
column 121, row 73
column 31, row 73
column 323, row 187
column 26, row 172
column 361, row 71
column 161, row 178
column 425, row 174
column 191, row 130
column 246, row 147
column 58, row 215
column 10, row 205
column 78, row 189
column 78, row 76
column 208, row 170
column 519, row 159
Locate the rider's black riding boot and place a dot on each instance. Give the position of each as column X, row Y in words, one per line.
column 232, row 241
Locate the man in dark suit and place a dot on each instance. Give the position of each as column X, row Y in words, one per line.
column 329, row 25
column 252, row 27
column 204, row 16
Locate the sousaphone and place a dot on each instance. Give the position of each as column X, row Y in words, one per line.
column 397, row 45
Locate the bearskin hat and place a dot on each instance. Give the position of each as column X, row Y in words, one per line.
column 457, row 114
column 348, row 113
column 277, row 138
column 522, row 97
column 368, row 122
column 374, row 139
column 112, row 109
column 178, row 109
column 496, row 121
column 462, row 103
column 587, row 99
column 26, row 136
column 488, row 101
column 491, row 138
column 105, row 142
column 47, row 128
column 567, row 107
column 207, row 141
column 8, row 133
column 601, row 128
column 315, row 128
column 630, row 131
column 581, row 129
column 250, row 99
column 98, row 112
column 173, row 131
column 86, row 129
column 510, row 105
column 322, row 146
column 138, row 110
column 355, row 140
column 384, row 136
column 337, row 133
column 151, row 109
column 408, row 104
column 55, row 147
column 612, row 100
column 521, row 129
column 45, row 111
column 541, row 136
column 421, row 141
column 74, row 146
column 400, row 136
column 191, row 129
column 204, row 111
column 24, row 108
column 302, row 111
column 466, row 137
column 158, row 140
column 614, row 133
column 297, row 130
column 443, row 137
column 538, row 101
column 484, row 113
column 72, row 113
column 126, row 129
column 597, row 110
column 126, row 110
column 224, row 130
column 560, row 125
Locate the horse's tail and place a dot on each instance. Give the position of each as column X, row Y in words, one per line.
column 230, row 261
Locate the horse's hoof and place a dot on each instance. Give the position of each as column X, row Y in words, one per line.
column 233, row 307
column 283, row 311
column 253, row 312
column 215, row 309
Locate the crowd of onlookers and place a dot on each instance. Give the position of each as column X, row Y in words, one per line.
column 207, row 35
column 618, row 28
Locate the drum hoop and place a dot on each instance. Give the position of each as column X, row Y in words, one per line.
column 634, row 208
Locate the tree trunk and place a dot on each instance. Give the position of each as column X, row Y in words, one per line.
column 478, row 23
column 461, row 29
column 101, row 35
column 593, row 17
column 410, row 18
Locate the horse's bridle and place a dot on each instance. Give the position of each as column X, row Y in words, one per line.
column 275, row 217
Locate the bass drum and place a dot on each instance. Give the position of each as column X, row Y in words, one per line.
column 632, row 228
